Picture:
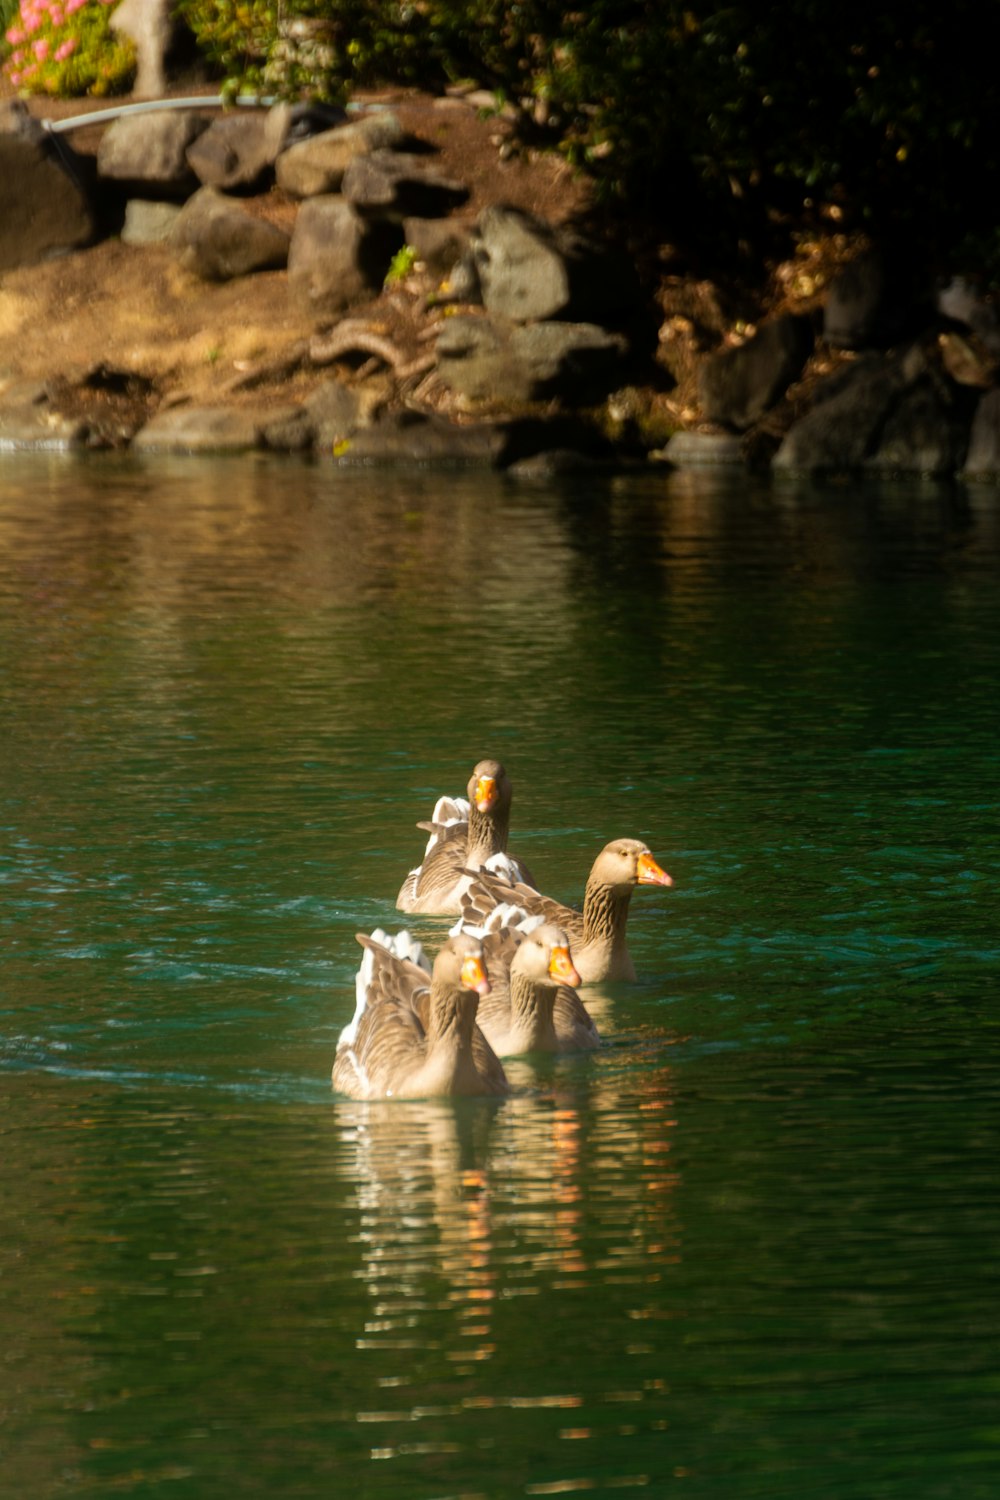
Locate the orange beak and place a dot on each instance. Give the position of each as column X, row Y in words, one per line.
column 486, row 793
column 561, row 967
column 474, row 975
column 648, row 872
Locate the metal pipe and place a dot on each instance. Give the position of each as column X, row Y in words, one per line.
column 210, row 101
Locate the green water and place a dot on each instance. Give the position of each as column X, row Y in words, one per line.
column 746, row 1250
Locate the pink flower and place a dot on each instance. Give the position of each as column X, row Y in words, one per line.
column 15, row 35
column 65, row 49
column 15, row 79
column 41, row 48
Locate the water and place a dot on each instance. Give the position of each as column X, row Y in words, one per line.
column 746, row 1250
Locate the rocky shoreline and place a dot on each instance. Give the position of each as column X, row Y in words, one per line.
column 366, row 287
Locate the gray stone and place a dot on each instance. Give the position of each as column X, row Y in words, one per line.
column 218, row 239
column 530, row 272
column 150, row 150
column 336, row 258
column 334, row 413
column 522, row 273
column 43, row 209
column 396, row 183
column 239, row 149
column 850, row 418
column 286, row 429
column 439, row 243
column 736, row 386
column 485, row 359
column 148, row 223
column 983, row 458
column 316, row 166
column 962, row 301
column 150, row 25
column 923, row 433
column 410, row 437
column 701, row 450
column 200, row 429
column 28, row 419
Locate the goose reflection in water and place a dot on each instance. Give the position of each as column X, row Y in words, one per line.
column 465, row 1204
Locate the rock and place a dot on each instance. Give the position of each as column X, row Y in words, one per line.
column 43, row 209
column 316, row 166
column 150, row 150
column 983, row 458
column 336, row 257
column 200, row 429
column 849, row 410
column 883, row 412
column 28, row 419
column 439, row 243
column 529, row 272
column 218, row 239
column 738, row 385
column 409, row 437
column 967, row 359
column 286, row 429
column 923, row 433
column 239, row 149
column 394, row 183
column 962, row 302
column 150, row 25
column 334, row 413
column 521, row 271
column 486, row 360
column 548, row 465
column 148, row 223
column 700, row 450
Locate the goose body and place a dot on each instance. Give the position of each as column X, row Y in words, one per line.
column 597, row 932
column 414, row 1034
column 464, row 834
column 532, row 1005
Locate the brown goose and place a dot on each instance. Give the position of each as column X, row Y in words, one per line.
column 597, row 933
column 463, row 836
column 417, row 1037
column 532, row 1005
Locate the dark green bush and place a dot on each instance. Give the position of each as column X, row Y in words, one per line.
column 718, row 119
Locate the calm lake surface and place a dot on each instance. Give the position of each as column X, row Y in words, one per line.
column 749, row 1249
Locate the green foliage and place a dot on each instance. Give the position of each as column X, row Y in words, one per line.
column 67, row 47
column 401, row 265
column 718, row 121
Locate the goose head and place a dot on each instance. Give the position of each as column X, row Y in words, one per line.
column 489, row 789
column 625, row 863
column 460, row 966
column 543, row 957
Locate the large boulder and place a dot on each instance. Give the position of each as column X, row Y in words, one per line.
column 44, row 211
column 238, row 150
column 409, row 437
column 737, row 386
column 218, row 239
column 316, row 166
column 336, row 257
column 393, row 184
column 530, row 272
column 890, row 414
column 149, row 151
column 486, row 359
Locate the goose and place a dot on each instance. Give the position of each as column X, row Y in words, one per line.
column 597, row 933
column 463, row 835
column 414, row 1035
column 532, row 1005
